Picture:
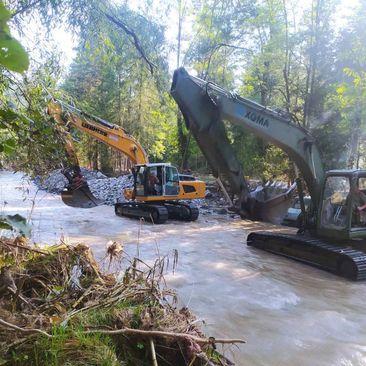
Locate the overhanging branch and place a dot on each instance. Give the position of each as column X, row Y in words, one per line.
column 133, row 37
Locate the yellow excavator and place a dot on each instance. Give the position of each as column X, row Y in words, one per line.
column 157, row 195
column 333, row 232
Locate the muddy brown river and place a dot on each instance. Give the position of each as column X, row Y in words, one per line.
column 289, row 313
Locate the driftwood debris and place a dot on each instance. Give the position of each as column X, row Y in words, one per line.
column 57, row 302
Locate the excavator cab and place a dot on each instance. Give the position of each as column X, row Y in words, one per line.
column 153, row 182
column 344, row 192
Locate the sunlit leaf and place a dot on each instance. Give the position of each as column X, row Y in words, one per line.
column 15, row 223
column 5, row 225
column 12, row 54
column 4, row 14
column 9, row 146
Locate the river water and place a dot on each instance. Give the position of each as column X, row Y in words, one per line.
column 289, row 313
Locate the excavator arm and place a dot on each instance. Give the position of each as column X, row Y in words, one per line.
column 205, row 105
column 108, row 133
column 78, row 193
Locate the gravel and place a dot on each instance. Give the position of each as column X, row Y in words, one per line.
column 110, row 190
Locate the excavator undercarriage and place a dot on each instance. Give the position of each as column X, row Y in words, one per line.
column 158, row 212
column 338, row 258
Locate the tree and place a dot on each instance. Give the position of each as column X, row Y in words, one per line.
column 108, row 80
column 351, row 89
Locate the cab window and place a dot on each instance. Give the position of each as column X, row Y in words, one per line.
column 140, row 180
column 171, row 181
column 334, row 205
column 359, row 204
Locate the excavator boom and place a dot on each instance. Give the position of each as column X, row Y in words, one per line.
column 108, row 133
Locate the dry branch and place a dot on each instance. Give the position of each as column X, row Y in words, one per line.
column 24, row 330
column 26, row 248
column 135, row 40
column 153, row 353
column 161, row 334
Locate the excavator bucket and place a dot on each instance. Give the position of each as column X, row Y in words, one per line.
column 273, row 209
column 81, row 197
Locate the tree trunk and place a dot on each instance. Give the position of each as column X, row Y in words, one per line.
column 286, row 68
column 353, row 159
column 183, row 142
column 104, row 157
column 310, row 99
column 182, row 137
column 95, row 155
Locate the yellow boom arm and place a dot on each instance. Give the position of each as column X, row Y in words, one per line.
column 112, row 135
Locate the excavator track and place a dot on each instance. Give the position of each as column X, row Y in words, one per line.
column 342, row 260
column 182, row 211
column 158, row 214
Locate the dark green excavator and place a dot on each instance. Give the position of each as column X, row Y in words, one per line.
column 333, row 231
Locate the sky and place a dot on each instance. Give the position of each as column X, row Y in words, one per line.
column 65, row 42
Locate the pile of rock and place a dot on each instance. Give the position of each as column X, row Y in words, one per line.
column 54, row 183
column 110, row 190
column 214, row 201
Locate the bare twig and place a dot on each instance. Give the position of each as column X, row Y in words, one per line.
column 26, row 248
column 161, row 334
column 24, row 330
column 25, row 8
column 135, row 40
column 153, row 354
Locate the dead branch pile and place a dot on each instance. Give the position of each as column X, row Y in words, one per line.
column 58, row 308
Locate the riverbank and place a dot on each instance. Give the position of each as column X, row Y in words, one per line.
column 58, row 307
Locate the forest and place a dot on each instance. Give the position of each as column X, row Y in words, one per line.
column 307, row 61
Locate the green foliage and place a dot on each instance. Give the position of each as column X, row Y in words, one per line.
column 15, row 223
column 68, row 348
column 12, row 54
column 107, row 80
column 295, row 63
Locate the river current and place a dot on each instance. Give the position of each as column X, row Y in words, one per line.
column 289, row 313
